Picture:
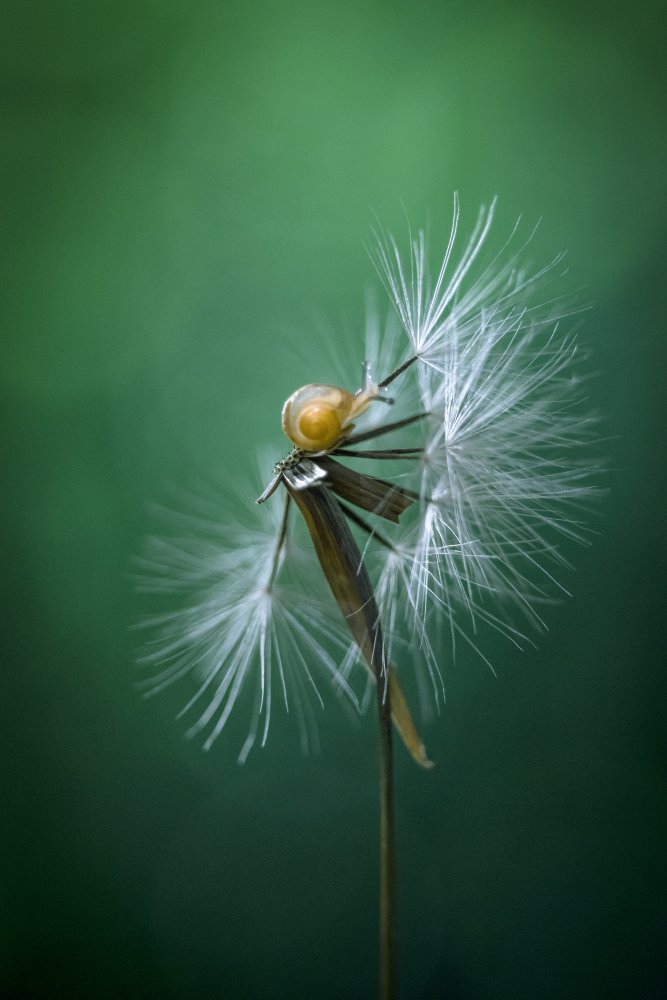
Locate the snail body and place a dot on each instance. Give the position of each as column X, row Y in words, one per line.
column 316, row 416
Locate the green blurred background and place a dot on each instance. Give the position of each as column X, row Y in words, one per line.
column 184, row 185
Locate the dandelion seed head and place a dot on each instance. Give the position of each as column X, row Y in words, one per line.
column 489, row 456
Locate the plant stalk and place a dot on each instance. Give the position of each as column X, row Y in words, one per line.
column 388, row 981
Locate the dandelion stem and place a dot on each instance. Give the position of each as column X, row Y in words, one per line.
column 375, row 432
column 388, row 989
column 399, row 371
column 352, row 515
column 386, row 453
column 280, row 543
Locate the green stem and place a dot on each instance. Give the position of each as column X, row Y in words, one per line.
column 388, row 986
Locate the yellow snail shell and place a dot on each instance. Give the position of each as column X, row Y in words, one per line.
column 316, row 416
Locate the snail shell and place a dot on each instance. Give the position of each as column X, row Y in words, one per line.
column 316, row 416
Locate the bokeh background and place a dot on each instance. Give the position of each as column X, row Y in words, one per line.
column 184, row 186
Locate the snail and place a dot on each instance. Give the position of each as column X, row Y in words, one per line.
column 316, row 416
